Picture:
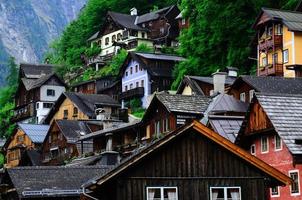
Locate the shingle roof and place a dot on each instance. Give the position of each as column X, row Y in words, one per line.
column 53, row 180
column 127, row 21
column 153, row 15
column 228, row 80
column 72, row 129
column 34, row 83
column 155, row 56
column 35, row 70
column 184, row 103
column 94, row 36
column 293, row 20
column 226, row 103
column 36, row 132
column 87, row 102
column 273, row 84
column 285, row 113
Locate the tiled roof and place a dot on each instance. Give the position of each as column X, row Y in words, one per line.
column 127, row 21
column 35, row 70
column 285, row 113
column 155, row 56
column 225, row 103
column 153, row 15
column 36, row 132
column 34, row 83
column 53, row 180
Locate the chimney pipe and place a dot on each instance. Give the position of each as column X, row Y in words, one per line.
column 133, row 11
column 219, row 81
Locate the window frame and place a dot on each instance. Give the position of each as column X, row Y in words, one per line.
column 253, row 145
column 251, row 95
column 50, row 92
column 241, row 96
column 161, row 190
column 278, row 192
column 289, row 173
column 267, row 144
column 275, row 141
column 283, row 57
column 225, row 191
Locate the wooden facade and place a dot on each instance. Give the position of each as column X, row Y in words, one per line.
column 241, row 87
column 192, row 163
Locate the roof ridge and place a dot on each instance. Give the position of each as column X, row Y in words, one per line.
column 281, row 10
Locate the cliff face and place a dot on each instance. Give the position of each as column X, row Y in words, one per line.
column 28, row 26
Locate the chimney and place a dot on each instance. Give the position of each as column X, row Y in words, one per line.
column 133, row 11
column 219, row 81
column 109, row 157
column 232, row 72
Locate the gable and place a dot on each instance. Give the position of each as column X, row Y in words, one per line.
column 110, row 26
column 14, row 140
column 264, row 17
column 54, row 80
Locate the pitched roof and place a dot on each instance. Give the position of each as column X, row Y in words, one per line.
column 73, row 129
column 156, row 56
column 42, row 181
column 35, row 70
column 94, row 36
column 36, row 132
column 126, row 21
column 34, row 83
column 32, row 156
column 285, row 113
column 225, row 103
column 203, row 130
column 272, row 84
column 153, row 15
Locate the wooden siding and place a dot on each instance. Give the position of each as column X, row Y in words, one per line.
column 193, row 164
column 241, row 87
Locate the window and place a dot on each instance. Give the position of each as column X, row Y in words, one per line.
column 20, row 138
column 225, row 193
column 140, row 68
column 126, row 73
column 278, row 29
column 253, row 149
column 136, row 68
column 142, row 83
column 264, row 144
column 270, row 31
column 295, row 186
column 143, row 34
column 130, row 70
column 90, row 86
column 278, row 143
column 162, row 30
column 131, row 86
column 242, row 96
column 137, row 84
column 157, row 128
column 166, row 124
column 162, row 193
column 106, row 40
column 50, row 92
column 113, row 38
column 264, row 61
column 285, row 56
column 119, row 36
column 183, row 21
column 275, row 58
column 148, row 132
column 126, row 88
column 275, row 192
column 47, row 105
column 251, row 94
column 75, row 111
column 37, row 106
column 65, row 114
column 49, row 139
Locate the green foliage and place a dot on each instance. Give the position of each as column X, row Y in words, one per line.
column 144, row 48
column 2, row 160
column 92, row 51
column 135, row 103
column 139, row 113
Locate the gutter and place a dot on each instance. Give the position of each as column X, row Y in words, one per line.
column 87, row 195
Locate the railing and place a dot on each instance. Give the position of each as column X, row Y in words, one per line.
column 271, row 42
column 271, row 70
column 24, row 112
column 136, row 92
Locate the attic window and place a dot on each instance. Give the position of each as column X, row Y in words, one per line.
column 51, row 92
column 298, row 141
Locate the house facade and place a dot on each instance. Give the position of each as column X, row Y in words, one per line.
column 271, row 132
column 279, row 43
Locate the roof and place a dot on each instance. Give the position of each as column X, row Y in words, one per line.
column 284, row 112
column 203, row 130
column 228, row 80
column 72, row 129
column 125, row 20
column 35, row 70
column 225, row 103
column 156, row 56
column 36, row 132
column 272, row 84
column 94, row 36
column 30, row 84
column 86, row 161
column 60, row 181
column 153, row 15
column 33, row 156
column 226, row 126
column 291, row 19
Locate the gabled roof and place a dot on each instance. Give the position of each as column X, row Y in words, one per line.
column 204, row 131
column 285, row 113
column 94, row 36
column 36, row 132
column 271, row 84
column 125, row 20
column 154, row 15
column 157, row 56
column 30, row 157
column 35, row 70
column 30, row 84
column 224, row 103
column 52, row 181
column 291, row 19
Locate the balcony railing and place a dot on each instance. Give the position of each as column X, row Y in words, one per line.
column 24, row 112
column 271, row 42
column 271, row 70
column 136, row 92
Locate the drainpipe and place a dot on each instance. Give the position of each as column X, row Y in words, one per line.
column 87, row 195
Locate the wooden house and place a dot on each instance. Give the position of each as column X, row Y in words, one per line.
column 79, row 106
column 47, row 182
column 245, row 86
column 25, row 137
column 192, row 162
column 279, row 42
column 61, row 142
column 39, row 87
column 143, row 74
column 271, row 131
column 183, row 23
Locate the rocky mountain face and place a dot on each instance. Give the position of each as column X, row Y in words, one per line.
column 28, row 26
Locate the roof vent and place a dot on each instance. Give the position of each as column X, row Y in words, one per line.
column 133, row 11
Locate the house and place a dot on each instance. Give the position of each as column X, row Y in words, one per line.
column 201, row 85
column 39, row 88
column 245, row 86
column 61, row 142
column 129, row 31
column 25, row 137
column 271, row 131
column 79, row 106
column 183, row 23
column 279, row 42
column 192, row 162
column 47, row 182
column 143, row 74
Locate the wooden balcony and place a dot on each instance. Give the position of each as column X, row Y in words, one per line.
column 136, row 92
column 271, row 70
column 270, row 43
column 23, row 112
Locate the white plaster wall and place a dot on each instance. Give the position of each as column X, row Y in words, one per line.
column 58, row 91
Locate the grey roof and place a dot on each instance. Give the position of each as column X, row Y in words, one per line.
column 34, row 83
column 228, row 80
column 35, row 70
column 86, row 161
column 34, row 157
column 273, row 84
column 161, row 56
column 36, row 132
column 94, row 36
column 87, row 103
column 53, row 180
column 226, row 126
column 127, row 21
column 225, row 103
column 72, row 129
column 292, row 19
column 196, row 104
column 285, row 113
column 153, row 15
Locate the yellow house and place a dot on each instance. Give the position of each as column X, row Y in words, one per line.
column 78, row 106
column 279, row 43
column 25, row 137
